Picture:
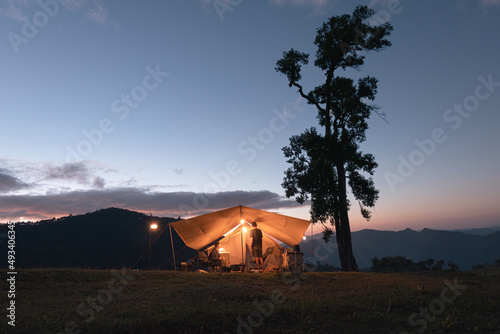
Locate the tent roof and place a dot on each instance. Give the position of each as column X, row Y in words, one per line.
column 197, row 232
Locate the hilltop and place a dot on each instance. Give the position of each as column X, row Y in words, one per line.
column 104, row 239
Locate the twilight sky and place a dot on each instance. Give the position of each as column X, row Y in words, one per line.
column 174, row 107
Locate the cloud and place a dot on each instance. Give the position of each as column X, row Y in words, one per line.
column 18, row 175
column 15, row 10
column 98, row 182
column 36, row 191
column 173, row 204
column 10, row 183
column 82, row 172
column 98, row 13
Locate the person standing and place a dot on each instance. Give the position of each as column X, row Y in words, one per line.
column 256, row 236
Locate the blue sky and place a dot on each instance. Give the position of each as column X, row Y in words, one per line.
column 174, row 107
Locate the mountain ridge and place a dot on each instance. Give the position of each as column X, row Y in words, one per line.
column 116, row 238
column 466, row 250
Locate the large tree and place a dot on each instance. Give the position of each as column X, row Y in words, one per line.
column 324, row 163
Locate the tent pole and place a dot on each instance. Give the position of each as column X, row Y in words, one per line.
column 243, row 260
column 241, row 235
column 172, row 243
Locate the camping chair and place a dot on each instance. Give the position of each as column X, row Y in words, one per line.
column 203, row 259
column 215, row 265
column 265, row 257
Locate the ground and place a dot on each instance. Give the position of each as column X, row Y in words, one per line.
column 123, row 301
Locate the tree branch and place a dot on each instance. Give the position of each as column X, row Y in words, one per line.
column 307, row 97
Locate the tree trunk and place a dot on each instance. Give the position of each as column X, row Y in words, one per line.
column 343, row 231
column 344, row 245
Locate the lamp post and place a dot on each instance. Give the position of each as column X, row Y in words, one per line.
column 151, row 227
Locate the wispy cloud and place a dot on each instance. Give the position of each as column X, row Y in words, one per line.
column 15, row 10
column 98, row 13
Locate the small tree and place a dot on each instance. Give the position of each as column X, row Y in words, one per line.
column 438, row 266
column 453, row 266
column 324, row 165
column 425, row 265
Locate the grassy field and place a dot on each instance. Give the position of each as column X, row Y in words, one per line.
column 98, row 301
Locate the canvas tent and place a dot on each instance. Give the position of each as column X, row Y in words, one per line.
column 232, row 227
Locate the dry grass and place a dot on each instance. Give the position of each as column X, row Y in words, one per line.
column 97, row 301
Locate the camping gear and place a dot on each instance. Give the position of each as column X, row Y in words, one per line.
column 186, row 266
column 293, row 261
column 232, row 226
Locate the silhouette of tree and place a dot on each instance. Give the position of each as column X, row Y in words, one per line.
column 425, row 265
column 439, row 265
column 401, row 263
column 323, row 165
column 453, row 266
column 393, row 264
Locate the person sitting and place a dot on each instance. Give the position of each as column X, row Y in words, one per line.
column 214, row 257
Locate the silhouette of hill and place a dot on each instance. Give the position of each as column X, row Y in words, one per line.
column 464, row 249
column 117, row 238
column 105, row 239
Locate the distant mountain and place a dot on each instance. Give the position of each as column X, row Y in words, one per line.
column 480, row 231
column 464, row 249
column 108, row 238
column 116, row 238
